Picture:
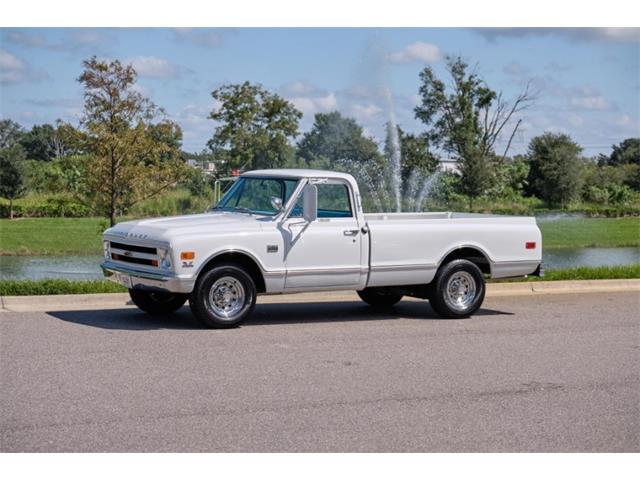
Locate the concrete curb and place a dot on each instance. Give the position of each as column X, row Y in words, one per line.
column 101, row 301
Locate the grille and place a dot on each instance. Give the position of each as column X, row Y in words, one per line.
column 134, row 254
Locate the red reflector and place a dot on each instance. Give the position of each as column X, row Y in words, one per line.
column 530, row 245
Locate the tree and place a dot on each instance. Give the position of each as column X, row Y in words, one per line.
column 416, row 155
column 334, row 138
column 38, row 143
column 11, row 174
column 67, row 140
column 10, row 133
column 628, row 151
column 467, row 122
column 128, row 161
column 254, row 126
column 554, row 174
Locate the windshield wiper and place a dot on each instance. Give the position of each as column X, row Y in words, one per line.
column 234, row 209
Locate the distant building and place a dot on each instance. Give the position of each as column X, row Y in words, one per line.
column 208, row 168
column 449, row 165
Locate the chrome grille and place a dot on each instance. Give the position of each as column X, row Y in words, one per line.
column 136, row 254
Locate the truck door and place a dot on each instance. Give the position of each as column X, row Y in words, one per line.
column 327, row 252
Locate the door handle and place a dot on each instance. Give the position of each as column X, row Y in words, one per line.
column 350, row 233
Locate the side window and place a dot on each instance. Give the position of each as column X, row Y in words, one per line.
column 333, row 201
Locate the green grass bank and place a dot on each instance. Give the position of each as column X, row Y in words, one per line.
column 60, row 287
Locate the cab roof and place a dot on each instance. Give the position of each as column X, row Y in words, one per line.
column 298, row 173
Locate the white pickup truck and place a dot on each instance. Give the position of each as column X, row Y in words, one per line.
column 281, row 231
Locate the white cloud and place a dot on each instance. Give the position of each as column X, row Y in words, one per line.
column 575, row 120
column 515, row 68
column 299, row 88
column 365, row 112
column 628, row 123
column 153, row 67
column 75, row 40
column 14, row 70
column 199, row 36
column 417, row 52
column 617, row 35
column 311, row 105
column 594, row 102
column 308, row 98
column 142, row 90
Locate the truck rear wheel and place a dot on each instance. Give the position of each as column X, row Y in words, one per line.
column 458, row 289
column 157, row 302
column 223, row 297
column 379, row 297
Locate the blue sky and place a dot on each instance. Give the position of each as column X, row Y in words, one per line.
column 587, row 79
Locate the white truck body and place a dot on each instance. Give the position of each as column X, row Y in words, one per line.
column 290, row 254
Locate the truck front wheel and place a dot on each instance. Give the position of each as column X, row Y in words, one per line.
column 223, row 297
column 157, row 302
column 379, row 297
column 458, row 290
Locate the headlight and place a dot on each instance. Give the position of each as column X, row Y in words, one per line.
column 106, row 248
column 165, row 258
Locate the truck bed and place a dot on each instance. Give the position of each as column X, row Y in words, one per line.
column 408, row 247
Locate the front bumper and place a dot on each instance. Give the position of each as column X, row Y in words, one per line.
column 138, row 279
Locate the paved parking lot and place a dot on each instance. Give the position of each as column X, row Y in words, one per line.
column 536, row 373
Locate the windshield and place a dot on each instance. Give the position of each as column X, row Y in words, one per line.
column 253, row 195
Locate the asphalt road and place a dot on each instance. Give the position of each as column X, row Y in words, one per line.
column 536, row 373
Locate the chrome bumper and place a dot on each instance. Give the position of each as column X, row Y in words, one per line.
column 160, row 282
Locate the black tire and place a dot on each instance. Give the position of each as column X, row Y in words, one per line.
column 461, row 271
column 207, row 313
column 157, row 303
column 379, row 297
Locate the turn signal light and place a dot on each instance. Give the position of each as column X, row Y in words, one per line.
column 530, row 245
column 187, row 255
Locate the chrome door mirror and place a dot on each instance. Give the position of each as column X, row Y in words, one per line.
column 276, row 202
column 310, row 203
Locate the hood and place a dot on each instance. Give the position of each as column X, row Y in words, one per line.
column 167, row 228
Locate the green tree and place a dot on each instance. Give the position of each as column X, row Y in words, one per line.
column 10, row 133
column 38, row 143
column 628, row 151
column 196, row 182
column 511, row 177
column 253, row 128
column 555, row 168
column 467, row 120
column 67, row 140
column 416, row 155
column 334, row 138
column 11, row 174
column 128, row 162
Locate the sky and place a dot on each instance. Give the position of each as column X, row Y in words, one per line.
column 586, row 81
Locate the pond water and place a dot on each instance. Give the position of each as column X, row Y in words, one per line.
column 87, row 267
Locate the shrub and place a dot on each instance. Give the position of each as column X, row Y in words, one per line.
column 45, row 206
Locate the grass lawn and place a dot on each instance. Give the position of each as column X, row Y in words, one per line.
column 57, row 287
column 51, row 236
column 590, row 232
column 60, row 236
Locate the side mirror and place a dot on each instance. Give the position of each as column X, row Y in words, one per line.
column 276, row 202
column 310, row 203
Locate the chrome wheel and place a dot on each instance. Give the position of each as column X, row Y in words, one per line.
column 226, row 297
column 460, row 291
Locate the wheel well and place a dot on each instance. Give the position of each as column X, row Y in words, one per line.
column 240, row 259
column 473, row 255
